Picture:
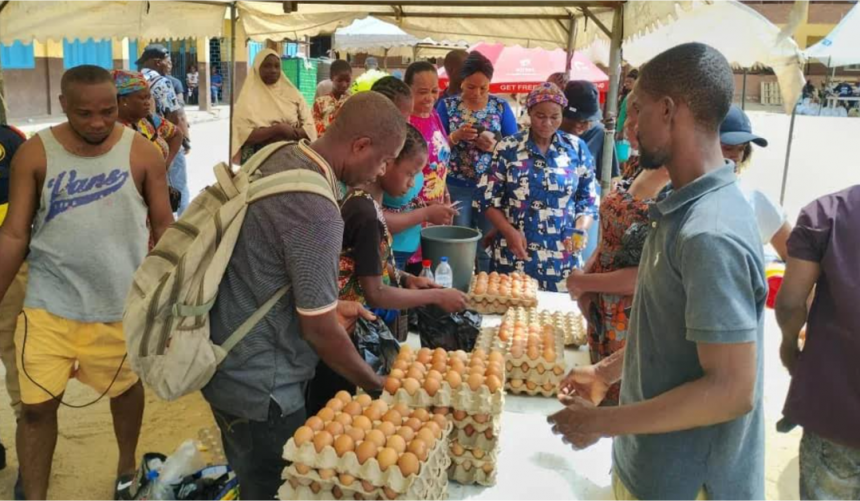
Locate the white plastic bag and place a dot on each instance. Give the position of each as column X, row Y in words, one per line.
column 186, row 460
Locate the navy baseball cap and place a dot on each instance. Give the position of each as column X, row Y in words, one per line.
column 583, row 101
column 153, row 51
column 736, row 129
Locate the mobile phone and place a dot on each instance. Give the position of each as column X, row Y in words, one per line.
column 479, row 129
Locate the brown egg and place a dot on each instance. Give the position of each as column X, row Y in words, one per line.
column 362, row 422
column 424, row 356
column 558, row 370
column 357, row 434
column 441, row 411
column 540, row 369
column 397, row 443
column 469, row 430
column 549, row 355
column 411, row 385
column 335, row 404
column 415, row 373
column 400, row 365
column 457, row 449
column 489, row 434
column 421, row 414
column 294, row 482
column 475, row 381
column 431, row 386
column 480, row 418
column 352, row 408
column 459, row 415
column 397, row 374
column 402, row 408
column 533, row 353
column 516, row 383
column 516, row 351
column 315, row 423
column 548, row 386
column 367, row 486
column 428, row 436
column 375, row 436
column 336, row 492
column 480, row 289
column 372, row 413
column 405, row 349
column 457, row 366
column 531, row 385
column 322, row 439
column 364, row 399
column 440, row 353
column 407, row 433
column 419, row 448
column 387, row 428
column 494, row 383
column 389, row 493
column 346, row 479
column 440, row 367
column 303, row 435
column 414, row 423
column 325, row 414
column 327, row 473
column 496, row 356
column 382, row 405
column 408, row 464
column 344, row 419
column 478, row 453
column 365, row 451
column 488, row 468
column 524, row 367
column 391, row 385
column 441, row 420
column 435, row 428
column 315, row 487
column 394, row 417
column 386, row 457
column 334, row 428
column 303, row 469
column 434, row 374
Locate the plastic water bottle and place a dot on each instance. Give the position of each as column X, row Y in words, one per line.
column 156, row 488
column 426, row 272
column 444, row 274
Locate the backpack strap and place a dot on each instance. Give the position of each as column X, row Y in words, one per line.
column 243, row 330
column 293, row 181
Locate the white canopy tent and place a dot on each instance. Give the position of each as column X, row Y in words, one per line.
column 842, row 46
column 372, row 36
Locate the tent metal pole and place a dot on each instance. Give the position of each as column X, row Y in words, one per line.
column 232, row 77
column 787, row 156
column 612, row 100
column 571, row 44
column 744, row 91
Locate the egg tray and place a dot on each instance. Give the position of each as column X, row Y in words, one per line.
column 467, row 472
column 370, row 470
column 477, row 439
column 490, row 456
column 488, row 340
column 494, row 422
column 462, row 398
column 288, row 491
column 496, row 307
column 534, row 376
column 538, row 391
column 529, row 298
column 573, row 327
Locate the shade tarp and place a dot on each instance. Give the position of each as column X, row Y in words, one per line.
column 28, row 21
column 842, row 46
column 372, row 36
column 753, row 41
column 519, row 70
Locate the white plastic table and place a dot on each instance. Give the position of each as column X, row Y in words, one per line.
column 532, row 462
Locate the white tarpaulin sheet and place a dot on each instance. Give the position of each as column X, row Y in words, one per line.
column 28, row 21
column 372, row 36
column 842, row 46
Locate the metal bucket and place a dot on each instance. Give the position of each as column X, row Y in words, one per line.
column 458, row 244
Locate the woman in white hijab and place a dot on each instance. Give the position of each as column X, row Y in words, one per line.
column 270, row 108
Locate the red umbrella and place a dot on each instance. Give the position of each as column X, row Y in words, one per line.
column 519, row 70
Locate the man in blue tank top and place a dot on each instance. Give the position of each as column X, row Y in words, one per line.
column 80, row 195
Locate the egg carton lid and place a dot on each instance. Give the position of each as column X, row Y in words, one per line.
column 370, row 470
column 438, row 489
column 461, row 398
column 461, row 475
column 534, row 376
column 478, row 440
column 539, row 391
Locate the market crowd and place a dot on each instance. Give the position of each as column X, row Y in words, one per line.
column 668, row 267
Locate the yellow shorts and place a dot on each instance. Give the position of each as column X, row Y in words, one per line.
column 57, row 349
column 623, row 494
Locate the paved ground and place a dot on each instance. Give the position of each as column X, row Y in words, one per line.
column 824, row 159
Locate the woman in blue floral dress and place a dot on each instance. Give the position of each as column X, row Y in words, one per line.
column 540, row 194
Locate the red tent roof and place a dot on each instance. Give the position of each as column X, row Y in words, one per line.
column 519, row 70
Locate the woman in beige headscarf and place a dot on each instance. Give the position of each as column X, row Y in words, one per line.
column 269, row 109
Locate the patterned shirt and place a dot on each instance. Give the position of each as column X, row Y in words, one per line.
column 468, row 162
column 366, row 246
column 163, row 92
column 156, row 129
column 325, row 110
column 542, row 196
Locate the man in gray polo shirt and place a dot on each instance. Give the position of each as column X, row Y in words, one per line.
column 293, row 239
column 690, row 421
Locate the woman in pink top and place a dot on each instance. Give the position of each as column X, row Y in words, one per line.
column 423, row 80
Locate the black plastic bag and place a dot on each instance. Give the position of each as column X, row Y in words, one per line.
column 376, row 344
column 449, row 331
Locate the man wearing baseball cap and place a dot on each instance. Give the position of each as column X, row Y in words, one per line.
column 582, row 118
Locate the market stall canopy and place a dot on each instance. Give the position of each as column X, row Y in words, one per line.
column 842, row 46
column 752, row 42
column 372, row 36
column 519, row 70
column 41, row 21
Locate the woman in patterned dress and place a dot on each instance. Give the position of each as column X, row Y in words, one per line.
column 326, row 106
column 604, row 288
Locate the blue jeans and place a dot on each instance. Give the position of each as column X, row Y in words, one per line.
column 471, row 218
column 828, row 470
column 255, row 449
column 177, row 177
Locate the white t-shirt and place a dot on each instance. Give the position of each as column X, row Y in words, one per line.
column 769, row 215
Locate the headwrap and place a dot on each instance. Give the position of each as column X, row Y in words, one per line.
column 546, row 92
column 128, row 82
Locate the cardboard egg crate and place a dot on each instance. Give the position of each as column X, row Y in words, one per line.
column 471, row 434
column 529, row 371
column 497, row 304
column 468, row 469
column 572, row 326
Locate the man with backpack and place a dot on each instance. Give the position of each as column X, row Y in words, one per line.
column 292, row 241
